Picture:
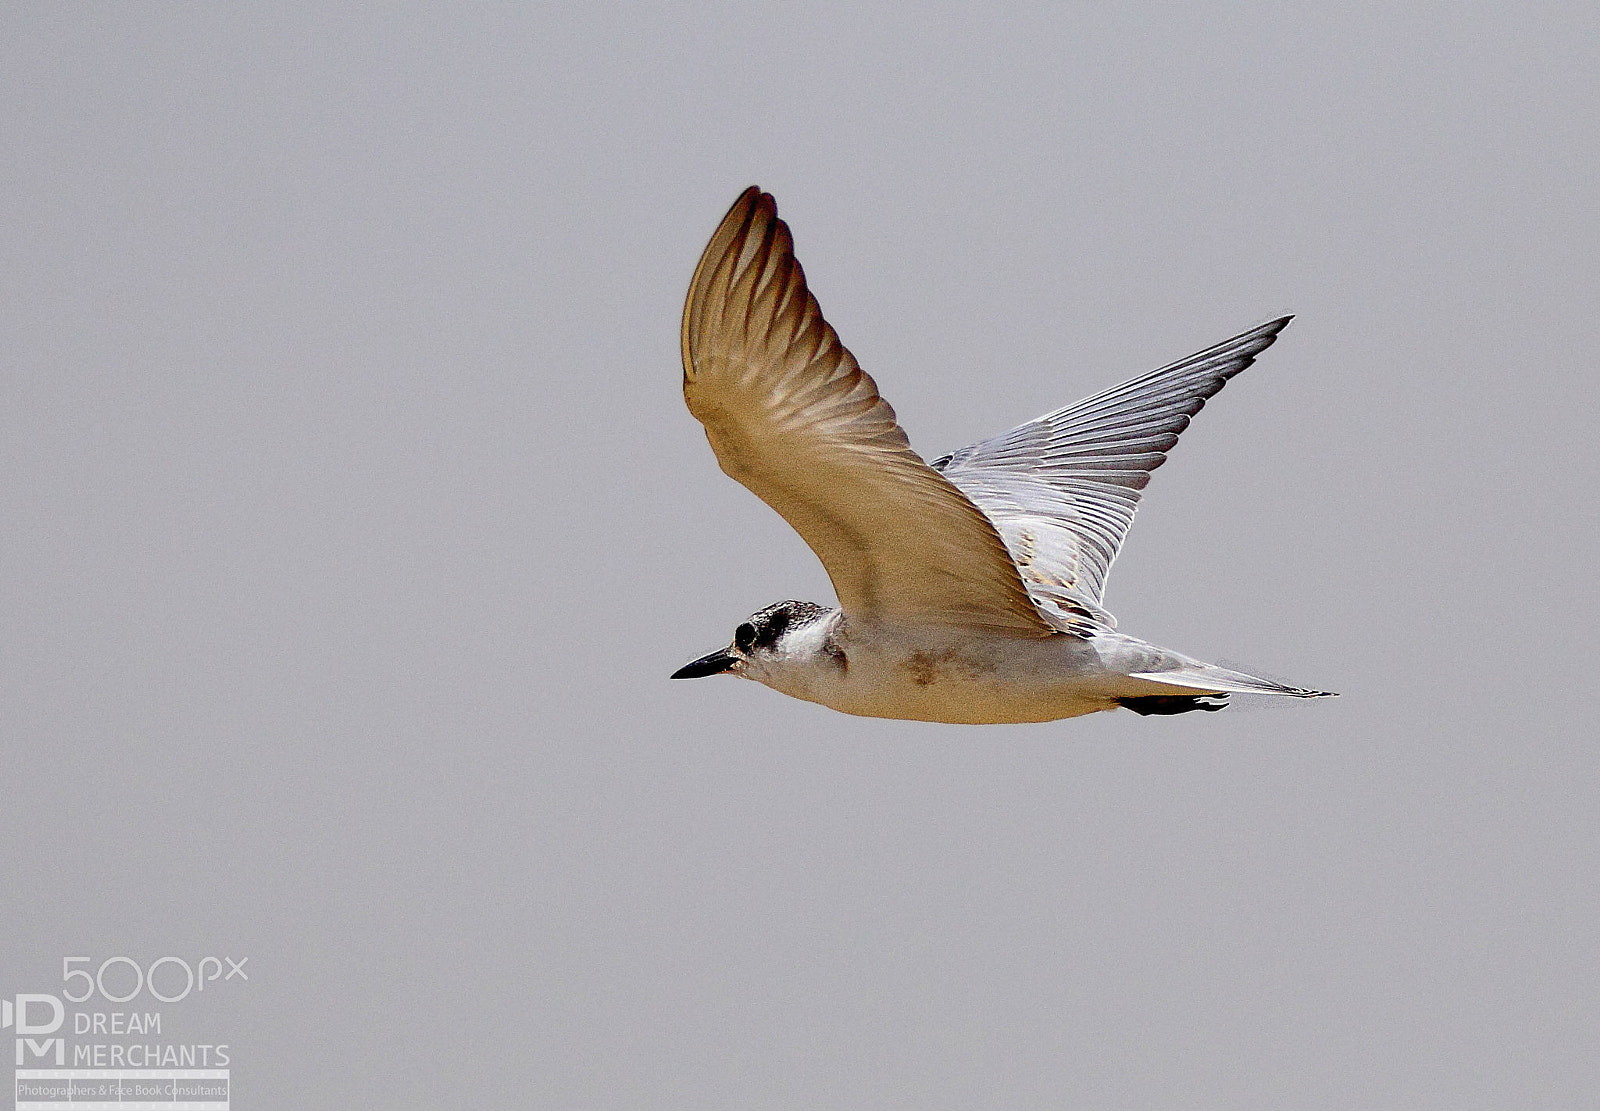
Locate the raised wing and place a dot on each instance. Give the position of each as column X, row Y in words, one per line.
column 791, row 416
column 1062, row 489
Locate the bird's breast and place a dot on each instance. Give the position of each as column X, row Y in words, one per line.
column 937, row 676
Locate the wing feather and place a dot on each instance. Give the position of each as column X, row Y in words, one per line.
column 791, row 415
column 1062, row 489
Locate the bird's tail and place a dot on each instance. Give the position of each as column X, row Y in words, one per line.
column 1196, row 676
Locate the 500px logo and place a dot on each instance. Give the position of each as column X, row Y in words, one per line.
column 194, row 978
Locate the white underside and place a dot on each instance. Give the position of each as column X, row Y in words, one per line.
column 963, row 677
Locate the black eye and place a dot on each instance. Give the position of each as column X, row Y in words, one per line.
column 744, row 636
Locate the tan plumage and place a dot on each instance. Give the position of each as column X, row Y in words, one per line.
column 792, row 417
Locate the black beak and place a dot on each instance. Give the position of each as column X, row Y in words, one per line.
column 715, row 664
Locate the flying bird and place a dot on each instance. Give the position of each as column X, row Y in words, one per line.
column 969, row 588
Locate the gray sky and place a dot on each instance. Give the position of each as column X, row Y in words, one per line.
column 351, row 522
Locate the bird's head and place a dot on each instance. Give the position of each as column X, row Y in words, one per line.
column 780, row 634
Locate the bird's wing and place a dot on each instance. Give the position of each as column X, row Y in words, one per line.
column 1062, row 489
column 791, row 416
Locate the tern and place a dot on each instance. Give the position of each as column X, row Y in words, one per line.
column 969, row 588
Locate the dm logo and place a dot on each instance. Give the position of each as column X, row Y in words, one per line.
column 26, row 1041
